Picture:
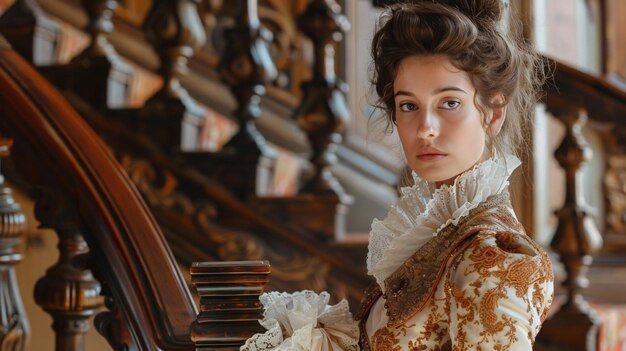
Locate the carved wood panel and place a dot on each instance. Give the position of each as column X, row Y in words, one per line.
column 614, row 138
column 206, row 240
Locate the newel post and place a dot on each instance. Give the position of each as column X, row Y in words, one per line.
column 230, row 309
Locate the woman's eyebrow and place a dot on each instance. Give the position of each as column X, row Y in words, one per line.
column 441, row 90
column 404, row 93
column 438, row 91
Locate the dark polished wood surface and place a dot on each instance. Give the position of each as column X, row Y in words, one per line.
column 55, row 148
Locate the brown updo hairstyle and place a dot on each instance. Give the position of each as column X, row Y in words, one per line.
column 471, row 34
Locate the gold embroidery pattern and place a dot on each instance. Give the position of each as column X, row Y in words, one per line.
column 386, row 339
column 493, row 271
column 372, row 293
column 434, row 330
column 412, row 284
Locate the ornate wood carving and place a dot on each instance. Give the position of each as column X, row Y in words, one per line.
column 285, row 43
column 229, row 295
column 175, row 30
column 614, row 146
column 14, row 331
column 574, row 326
column 615, row 187
column 204, row 239
column 98, row 74
column 68, row 291
column 31, row 32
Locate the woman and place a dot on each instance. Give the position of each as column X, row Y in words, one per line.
column 454, row 269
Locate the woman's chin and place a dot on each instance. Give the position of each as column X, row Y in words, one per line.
column 438, row 179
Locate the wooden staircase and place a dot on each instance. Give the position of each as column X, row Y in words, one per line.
column 145, row 196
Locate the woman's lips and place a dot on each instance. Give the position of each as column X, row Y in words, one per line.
column 431, row 157
column 430, row 153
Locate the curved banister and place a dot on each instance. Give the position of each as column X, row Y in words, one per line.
column 603, row 101
column 55, row 148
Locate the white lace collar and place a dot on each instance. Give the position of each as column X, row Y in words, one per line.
column 422, row 211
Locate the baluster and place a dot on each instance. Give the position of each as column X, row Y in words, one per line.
column 31, row 32
column 171, row 116
column 576, row 238
column 68, row 291
column 323, row 115
column 13, row 324
column 111, row 323
column 246, row 67
column 98, row 74
column 323, row 112
column 229, row 302
column 322, row 204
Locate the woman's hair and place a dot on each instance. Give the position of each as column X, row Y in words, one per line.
column 471, row 35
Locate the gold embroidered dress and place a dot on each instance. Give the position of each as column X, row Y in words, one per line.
column 455, row 270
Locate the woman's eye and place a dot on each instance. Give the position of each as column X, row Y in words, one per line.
column 451, row 104
column 408, row 107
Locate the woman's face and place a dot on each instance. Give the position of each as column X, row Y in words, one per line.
column 440, row 127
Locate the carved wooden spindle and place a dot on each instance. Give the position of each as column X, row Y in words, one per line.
column 111, row 323
column 13, row 324
column 229, row 300
column 175, row 30
column 575, row 240
column 31, row 32
column 246, row 66
column 98, row 74
column 100, row 24
column 322, row 204
column 171, row 116
column 68, row 291
column 323, row 112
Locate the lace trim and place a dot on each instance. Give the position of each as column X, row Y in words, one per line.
column 423, row 210
column 304, row 321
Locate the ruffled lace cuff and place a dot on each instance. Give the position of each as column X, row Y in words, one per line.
column 304, row 321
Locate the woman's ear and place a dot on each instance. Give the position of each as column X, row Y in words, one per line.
column 497, row 115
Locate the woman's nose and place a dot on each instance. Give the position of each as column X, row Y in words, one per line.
column 429, row 126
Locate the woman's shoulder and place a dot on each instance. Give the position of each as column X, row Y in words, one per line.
column 504, row 258
column 505, row 280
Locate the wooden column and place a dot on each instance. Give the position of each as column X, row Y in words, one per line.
column 68, row 291
column 171, row 117
column 98, row 74
column 31, row 32
column 574, row 326
column 230, row 309
column 13, row 323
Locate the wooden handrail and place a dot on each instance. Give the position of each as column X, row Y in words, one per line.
column 603, row 101
column 55, row 148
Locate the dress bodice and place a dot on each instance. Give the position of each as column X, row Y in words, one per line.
column 480, row 283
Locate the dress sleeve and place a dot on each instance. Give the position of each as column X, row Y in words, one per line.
column 499, row 290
